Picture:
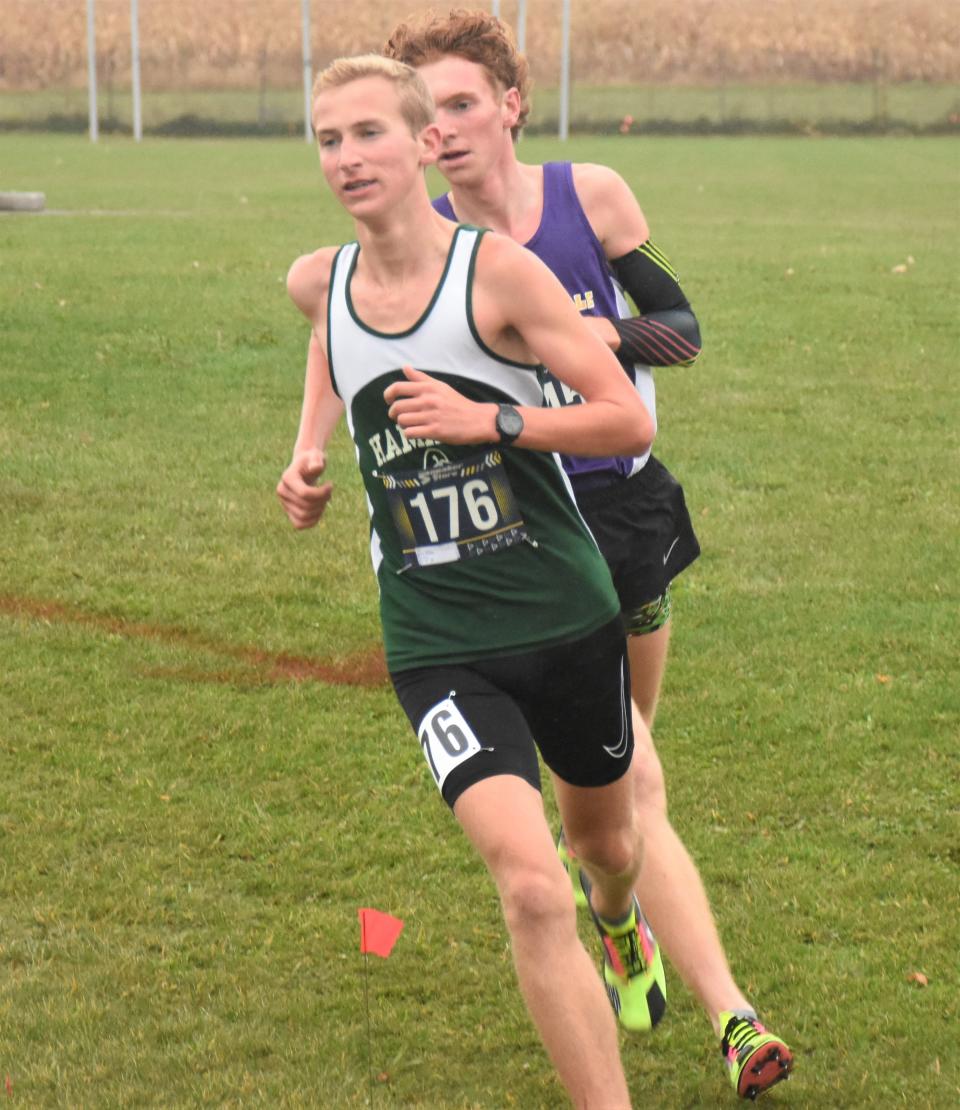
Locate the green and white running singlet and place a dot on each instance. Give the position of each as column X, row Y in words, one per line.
column 479, row 550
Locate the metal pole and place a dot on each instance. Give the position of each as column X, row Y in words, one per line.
column 565, row 73
column 522, row 26
column 135, row 68
column 307, row 69
column 495, row 7
column 92, row 72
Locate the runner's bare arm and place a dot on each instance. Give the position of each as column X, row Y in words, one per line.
column 303, row 500
column 322, row 408
column 611, row 208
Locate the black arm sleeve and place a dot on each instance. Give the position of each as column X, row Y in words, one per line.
column 666, row 333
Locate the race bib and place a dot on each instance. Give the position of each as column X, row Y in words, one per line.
column 457, row 510
column 447, row 740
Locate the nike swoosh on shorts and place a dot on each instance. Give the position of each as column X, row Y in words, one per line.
column 620, row 750
column 670, row 550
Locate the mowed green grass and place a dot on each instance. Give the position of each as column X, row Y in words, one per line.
column 187, row 831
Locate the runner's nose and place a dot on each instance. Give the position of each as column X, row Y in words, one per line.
column 447, row 125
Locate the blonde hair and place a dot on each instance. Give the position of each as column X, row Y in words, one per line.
column 475, row 35
column 416, row 103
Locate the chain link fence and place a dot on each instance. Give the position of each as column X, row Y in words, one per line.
column 236, row 66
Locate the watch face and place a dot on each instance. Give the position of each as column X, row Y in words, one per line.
column 509, row 422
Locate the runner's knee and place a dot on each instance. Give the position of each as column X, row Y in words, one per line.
column 533, row 897
column 612, row 852
column 649, row 785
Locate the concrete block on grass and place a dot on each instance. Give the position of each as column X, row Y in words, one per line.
column 22, row 202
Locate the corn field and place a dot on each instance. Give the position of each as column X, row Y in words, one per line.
column 242, row 44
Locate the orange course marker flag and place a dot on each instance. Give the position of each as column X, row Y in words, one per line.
column 378, row 932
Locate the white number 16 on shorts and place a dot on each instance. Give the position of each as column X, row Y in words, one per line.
column 446, row 738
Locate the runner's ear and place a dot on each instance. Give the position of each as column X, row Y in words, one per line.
column 430, row 141
column 510, row 107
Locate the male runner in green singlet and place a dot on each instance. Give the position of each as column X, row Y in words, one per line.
column 500, row 621
column 583, row 221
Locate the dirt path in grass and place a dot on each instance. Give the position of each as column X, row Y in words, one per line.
column 367, row 668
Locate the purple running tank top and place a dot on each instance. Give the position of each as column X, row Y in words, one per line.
column 566, row 243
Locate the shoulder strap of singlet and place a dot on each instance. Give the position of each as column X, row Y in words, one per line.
column 560, row 198
column 337, row 297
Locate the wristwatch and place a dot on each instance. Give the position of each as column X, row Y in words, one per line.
column 509, row 424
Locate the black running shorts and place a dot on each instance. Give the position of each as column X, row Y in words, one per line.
column 489, row 717
column 642, row 527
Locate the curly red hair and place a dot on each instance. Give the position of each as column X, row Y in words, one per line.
column 475, row 35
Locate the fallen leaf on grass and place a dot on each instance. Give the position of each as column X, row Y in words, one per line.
column 917, row 977
column 884, row 679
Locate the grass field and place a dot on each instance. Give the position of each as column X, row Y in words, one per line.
column 190, row 815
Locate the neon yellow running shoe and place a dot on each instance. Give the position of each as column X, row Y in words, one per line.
column 633, row 971
column 569, row 861
column 755, row 1059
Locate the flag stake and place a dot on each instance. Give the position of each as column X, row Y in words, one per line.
column 378, row 934
column 366, row 1006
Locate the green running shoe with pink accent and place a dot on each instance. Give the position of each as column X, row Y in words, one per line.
column 633, row 971
column 755, row 1059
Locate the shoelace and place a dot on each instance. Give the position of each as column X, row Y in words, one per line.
column 742, row 1033
column 628, row 951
